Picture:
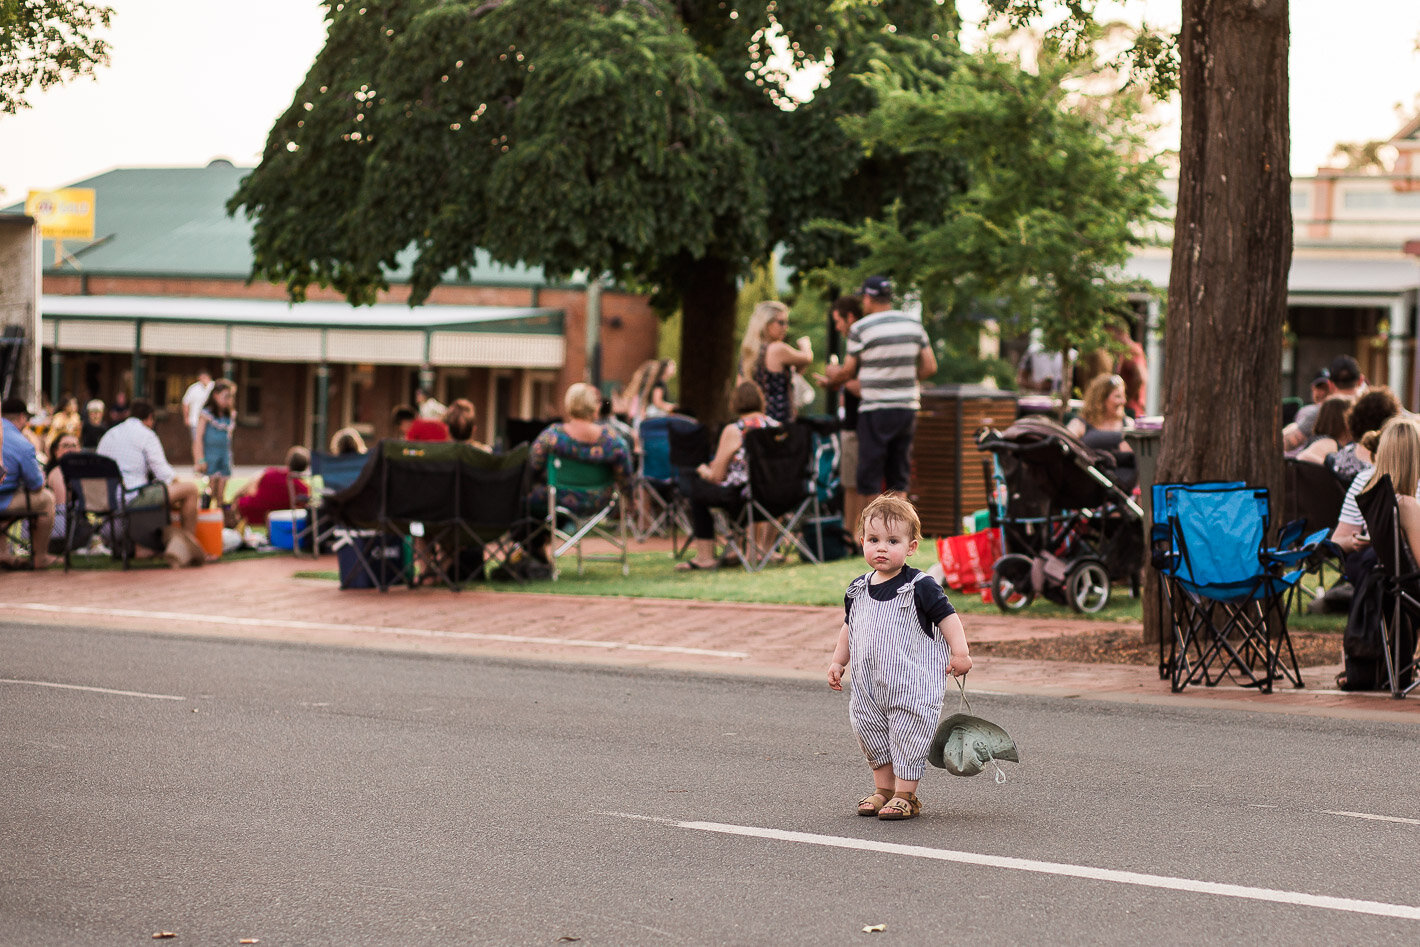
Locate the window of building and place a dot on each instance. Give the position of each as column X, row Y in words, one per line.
column 249, row 386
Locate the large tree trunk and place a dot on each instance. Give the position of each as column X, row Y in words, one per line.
column 1232, row 248
column 708, row 347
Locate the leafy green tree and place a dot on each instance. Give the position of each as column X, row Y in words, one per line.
column 46, row 42
column 652, row 140
column 1232, row 242
column 1056, row 187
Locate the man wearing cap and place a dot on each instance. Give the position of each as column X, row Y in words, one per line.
column 889, row 353
column 22, row 488
column 134, row 446
column 1342, row 378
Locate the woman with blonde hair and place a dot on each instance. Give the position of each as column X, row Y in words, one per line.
column 646, row 392
column 347, row 440
column 580, row 436
column 1102, row 423
column 1397, row 453
column 770, row 362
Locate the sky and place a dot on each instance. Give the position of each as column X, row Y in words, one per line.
column 193, row 80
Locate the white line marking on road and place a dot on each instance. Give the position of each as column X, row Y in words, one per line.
column 1301, row 899
column 96, row 690
column 363, row 629
column 1373, row 817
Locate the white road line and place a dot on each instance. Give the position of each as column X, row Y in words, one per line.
column 1298, row 898
column 96, row 690
column 362, row 629
column 1371, row 816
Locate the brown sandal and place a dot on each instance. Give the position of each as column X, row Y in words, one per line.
column 901, row 806
column 867, row 806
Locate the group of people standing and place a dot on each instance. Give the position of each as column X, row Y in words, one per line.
column 887, row 355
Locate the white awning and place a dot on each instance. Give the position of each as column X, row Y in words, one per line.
column 310, row 332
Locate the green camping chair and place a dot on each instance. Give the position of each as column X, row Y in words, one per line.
column 569, row 530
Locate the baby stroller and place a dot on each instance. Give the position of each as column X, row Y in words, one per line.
column 1068, row 529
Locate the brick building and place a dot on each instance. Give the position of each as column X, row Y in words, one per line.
column 161, row 294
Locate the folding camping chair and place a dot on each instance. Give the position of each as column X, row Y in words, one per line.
column 1225, row 592
column 1398, row 580
column 96, row 496
column 337, row 473
column 494, row 488
column 569, row 529
column 660, row 504
column 781, row 492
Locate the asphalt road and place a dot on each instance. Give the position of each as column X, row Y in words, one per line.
column 304, row 795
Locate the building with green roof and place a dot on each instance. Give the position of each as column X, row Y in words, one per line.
column 161, row 294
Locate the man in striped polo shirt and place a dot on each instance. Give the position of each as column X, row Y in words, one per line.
column 889, row 353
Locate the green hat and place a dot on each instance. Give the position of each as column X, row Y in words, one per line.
column 964, row 744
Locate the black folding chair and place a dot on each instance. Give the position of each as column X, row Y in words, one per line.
column 96, row 496
column 494, row 489
column 782, row 491
column 1313, row 494
column 1313, row 499
column 1398, row 582
column 523, row 430
column 20, row 526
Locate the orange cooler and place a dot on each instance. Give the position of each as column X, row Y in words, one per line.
column 209, row 531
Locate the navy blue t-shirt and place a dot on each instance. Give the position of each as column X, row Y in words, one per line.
column 933, row 606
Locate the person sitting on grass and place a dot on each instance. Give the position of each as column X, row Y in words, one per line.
column 269, row 492
column 402, row 417
column 724, row 482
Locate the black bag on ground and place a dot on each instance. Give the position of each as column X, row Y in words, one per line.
column 1363, row 644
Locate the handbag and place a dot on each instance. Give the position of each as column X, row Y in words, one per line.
column 181, row 548
column 967, row 560
column 803, row 391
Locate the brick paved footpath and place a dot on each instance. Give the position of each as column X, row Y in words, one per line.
column 261, row 599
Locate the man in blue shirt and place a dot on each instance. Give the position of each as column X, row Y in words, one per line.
column 22, row 488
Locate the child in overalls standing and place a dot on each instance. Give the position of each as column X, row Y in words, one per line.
column 903, row 638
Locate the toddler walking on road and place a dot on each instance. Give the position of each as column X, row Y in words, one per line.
column 903, row 638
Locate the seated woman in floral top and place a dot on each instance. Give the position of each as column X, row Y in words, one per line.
column 580, row 437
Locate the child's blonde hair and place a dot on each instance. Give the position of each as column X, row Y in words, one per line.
column 893, row 510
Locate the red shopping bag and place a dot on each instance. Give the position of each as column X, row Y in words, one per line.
column 967, row 560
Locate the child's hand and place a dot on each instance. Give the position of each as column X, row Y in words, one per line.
column 835, row 676
column 960, row 664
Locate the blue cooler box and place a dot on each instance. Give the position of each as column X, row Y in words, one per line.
column 384, row 554
column 282, row 527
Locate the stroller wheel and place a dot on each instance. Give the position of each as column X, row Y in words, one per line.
column 1011, row 586
column 1087, row 586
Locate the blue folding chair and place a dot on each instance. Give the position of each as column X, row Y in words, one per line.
column 337, row 471
column 661, row 507
column 1226, row 592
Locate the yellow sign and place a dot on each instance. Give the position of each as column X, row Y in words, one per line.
column 65, row 214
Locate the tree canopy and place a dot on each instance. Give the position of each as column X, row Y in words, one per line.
column 1057, row 188
column 46, row 42
column 655, row 141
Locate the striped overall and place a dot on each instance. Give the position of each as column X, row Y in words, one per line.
column 898, row 681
